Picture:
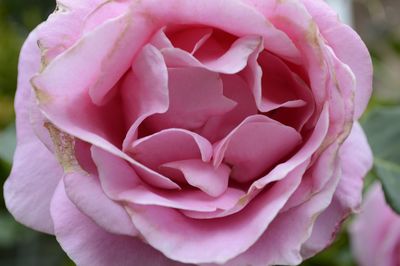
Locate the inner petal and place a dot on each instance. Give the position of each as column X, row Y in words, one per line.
column 195, row 96
column 211, row 180
column 170, row 145
column 189, row 39
column 144, row 90
column 235, row 88
column 192, row 200
column 228, row 60
column 255, row 146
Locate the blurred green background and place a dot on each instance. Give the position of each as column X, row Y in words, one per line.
column 377, row 21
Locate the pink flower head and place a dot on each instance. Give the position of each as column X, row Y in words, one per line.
column 169, row 132
column 375, row 233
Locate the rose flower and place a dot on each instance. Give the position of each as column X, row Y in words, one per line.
column 169, row 132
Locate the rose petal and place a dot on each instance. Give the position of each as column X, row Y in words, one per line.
column 213, row 181
column 191, row 200
column 277, row 248
column 356, row 160
column 191, row 39
column 195, row 96
column 253, row 147
column 144, row 90
column 192, row 12
column 96, row 246
column 236, row 89
column 33, row 179
column 170, row 145
column 231, row 62
column 348, row 47
column 86, row 193
column 224, row 238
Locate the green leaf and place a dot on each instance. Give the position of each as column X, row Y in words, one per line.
column 7, row 144
column 382, row 127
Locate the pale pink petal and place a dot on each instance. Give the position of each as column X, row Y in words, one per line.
column 373, row 231
column 225, row 238
column 170, row 145
column 191, row 200
column 355, row 160
column 144, row 90
column 255, row 146
column 348, row 47
column 160, row 40
column 33, row 179
column 236, row 89
column 88, row 244
column 277, row 248
column 193, row 12
column 63, row 96
column 117, row 175
column 232, row 61
column 211, row 180
column 195, row 95
column 85, row 192
column 310, row 146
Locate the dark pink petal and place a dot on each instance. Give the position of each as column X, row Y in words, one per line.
column 190, row 39
column 88, row 244
column 195, row 95
column 225, row 238
column 85, row 192
column 211, row 180
column 255, row 146
column 33, row 179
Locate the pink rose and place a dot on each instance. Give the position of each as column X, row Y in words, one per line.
column 376, row 232
column 159, row 132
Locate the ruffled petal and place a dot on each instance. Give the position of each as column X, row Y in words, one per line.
column 96, row 246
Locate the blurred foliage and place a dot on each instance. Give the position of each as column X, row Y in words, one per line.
column 377, row 21
column 383, row 135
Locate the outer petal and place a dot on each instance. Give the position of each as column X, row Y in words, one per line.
column 33, row 179
column 356, row 160
column 85, row 192
column 225, row 238
column 348, row 47
column 282, row 241
column 87, row 244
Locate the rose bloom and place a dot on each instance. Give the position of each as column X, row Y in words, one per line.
column 170, row 132
column 375, row 233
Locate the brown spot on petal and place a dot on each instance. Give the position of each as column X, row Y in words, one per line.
column 64, row 147
column 42, row 96
column 312, row 34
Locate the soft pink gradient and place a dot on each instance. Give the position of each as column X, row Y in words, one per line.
column 375, row 232
column 175, row 132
